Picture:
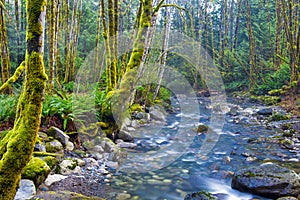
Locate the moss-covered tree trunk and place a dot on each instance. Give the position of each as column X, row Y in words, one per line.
column 17, row 146
column 5, row 64
column 121, row 97
column 52, row 43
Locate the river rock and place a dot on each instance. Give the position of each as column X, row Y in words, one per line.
column 59, row 135
column 268, row 180
column 156, row 114
column 54, row 146
column 54, row 178
column 265, row 111
column 26, row 191
column 200, row 196
column 127, row 145
column 91, row 162
column 69, row 166
column 39, row 147
column 125, row 136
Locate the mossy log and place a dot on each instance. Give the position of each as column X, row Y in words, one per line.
column 17, row 146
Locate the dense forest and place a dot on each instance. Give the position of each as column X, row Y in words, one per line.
column 86, row 67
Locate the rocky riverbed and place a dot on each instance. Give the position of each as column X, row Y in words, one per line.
column 167, row 155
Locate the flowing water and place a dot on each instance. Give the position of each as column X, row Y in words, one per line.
column 169, row 161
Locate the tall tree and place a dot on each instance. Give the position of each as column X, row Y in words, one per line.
column 17, row 146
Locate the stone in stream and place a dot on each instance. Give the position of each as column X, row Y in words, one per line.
column 268, row 180
column 125, row 136
column 200, row 196
column 157, row 114
column 265, row 111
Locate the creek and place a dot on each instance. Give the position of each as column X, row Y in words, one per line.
column 169, row 161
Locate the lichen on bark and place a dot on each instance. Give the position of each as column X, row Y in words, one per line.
column 17, row 146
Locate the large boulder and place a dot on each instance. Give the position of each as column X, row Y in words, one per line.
column 268, row 180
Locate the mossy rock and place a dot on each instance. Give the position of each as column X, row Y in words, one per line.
column 36, row 170
column 202, row 128
column 51, row 161
column 136, row 108
column 203, row 195
column 54, row 146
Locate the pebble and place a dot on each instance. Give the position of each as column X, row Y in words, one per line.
column 251, row 159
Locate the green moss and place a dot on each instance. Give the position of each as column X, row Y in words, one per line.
column 51, row 161
column 278, row 117
column 36, row 170
column 268, row 100
column 136, row 108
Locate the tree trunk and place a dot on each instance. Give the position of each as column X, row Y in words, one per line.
column 17, row 146
column 5, row 62
column 252, row 61
column 52, row 48
column 120, row 98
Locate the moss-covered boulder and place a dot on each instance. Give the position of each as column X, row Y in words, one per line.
column 267, row 180
column 36, row 170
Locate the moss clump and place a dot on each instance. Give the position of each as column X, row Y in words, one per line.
column 278, row 117
column 268, row 100
column 136, row 108
column 51, row 161
column 36, row 170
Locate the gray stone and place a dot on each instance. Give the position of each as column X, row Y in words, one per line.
column 268, row 180
column 39, row 147
column 265, row 111
column 157, row 115
column 70, row 146
column 26, row 191
column 99, row 149
column 108, row 145
column 126, row 145
column 125, row 136
column 54, row 178
column 69, row 167
column 54, row 146
column 59, row 135
column 91, row 162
